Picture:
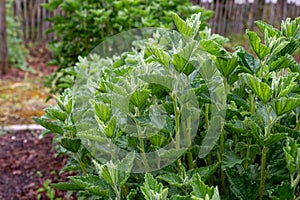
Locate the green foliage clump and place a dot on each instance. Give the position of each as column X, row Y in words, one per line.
column 257, row 154
column 16, row 50
column 85, row 23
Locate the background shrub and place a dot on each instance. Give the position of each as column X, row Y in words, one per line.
column 85, row 23
column 16, row 50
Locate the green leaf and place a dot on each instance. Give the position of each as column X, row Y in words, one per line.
column 182, row 26
column 178, row 197
column 91, row 183
column 268, row 29
column 157, row 140
column 51, row 126
column 202, row 191
column 261, row 89
column 139, row 97
column 102, row 110
column 132, row 195
column 287, row 84
column 286, row 61
column 204, row 172
column 290, row 28
column 72, row 145
column 164, row 81
column 181, row 60
column 260, row 49
column 152, row 190
column 67, row 186
column 248, row 60
column 56, row 113
column 226, row 65
column 282, row 192
column 231, row 159
column 285, row 104
column 214, row 48
column 277, row 44
column 292, row 156
column 172, row 179
column 110, row 129
column 52, row 5
column 160, row 55
column 242, row 186
column 274, row 138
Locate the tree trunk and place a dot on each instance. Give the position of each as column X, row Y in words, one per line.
column 3, row 45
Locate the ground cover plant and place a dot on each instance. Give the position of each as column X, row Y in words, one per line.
column 84, row 24
column 251, row 151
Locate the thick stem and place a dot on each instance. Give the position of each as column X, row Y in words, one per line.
column 222, row 147
column 222, row 144
column 177, row 129
column 141, row 140
column 263, row 172
column 248, row 153
column 190, row 160
column 81, row 163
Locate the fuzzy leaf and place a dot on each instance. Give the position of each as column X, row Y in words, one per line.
column 181, row 59
column 285, row 104
column 67, row 186
column 274, row 138
column 102, row 110
column 242, row 185
column 286, row 84
column 72, row 145
column 214, row 48
column 139, row 97
column 260, row 49
column 261, row 89
column 152, row 190
column 248, row 60
column 182, row 26
column 56, row 113
column 160, row 55
column 286, row 61
column 204, row 172
column 231, row 159
column 172, row 179
column 110, row 129
column 282, row 192
column 51, row 126
column 91, row 183
column 271, row 31
column 226, row 65
column 202, row 191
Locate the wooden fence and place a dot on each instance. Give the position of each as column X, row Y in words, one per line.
column 235, row 16
column 231, row 16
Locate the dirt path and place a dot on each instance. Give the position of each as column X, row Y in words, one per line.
column 23, row 94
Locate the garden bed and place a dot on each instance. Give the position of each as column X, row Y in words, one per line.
column 26, row 162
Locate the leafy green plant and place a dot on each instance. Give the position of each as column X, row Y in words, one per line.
column 16, row 49
column 84, row 24
column 257, row 156
column 48, row 190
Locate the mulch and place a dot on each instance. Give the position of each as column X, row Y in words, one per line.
column 26, row 161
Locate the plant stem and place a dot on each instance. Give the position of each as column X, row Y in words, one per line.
column 248, row 153
column 263, row 172
column 264, row 157
column 177, row 129
column 81, row 163
column 222, row 144
column 222, row 147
